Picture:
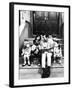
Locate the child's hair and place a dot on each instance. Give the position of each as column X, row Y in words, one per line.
column 46, row 35
column 59, row 46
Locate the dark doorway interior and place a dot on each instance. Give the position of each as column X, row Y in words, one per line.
column 46, row 23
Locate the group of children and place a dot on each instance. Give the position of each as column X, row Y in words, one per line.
column 44, row 46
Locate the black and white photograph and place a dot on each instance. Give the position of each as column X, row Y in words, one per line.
column 41, row 44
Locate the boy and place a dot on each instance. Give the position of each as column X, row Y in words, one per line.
column 46, row 55
column 57, row 53
column 26, row 54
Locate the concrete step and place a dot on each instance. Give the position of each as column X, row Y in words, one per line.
column 34, row 72
column 29, row 73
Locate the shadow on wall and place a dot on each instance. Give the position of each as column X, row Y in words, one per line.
column 26, row 33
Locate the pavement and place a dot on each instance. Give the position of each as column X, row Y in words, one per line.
column 35, row 71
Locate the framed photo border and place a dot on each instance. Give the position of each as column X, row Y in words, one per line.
column 11, row 43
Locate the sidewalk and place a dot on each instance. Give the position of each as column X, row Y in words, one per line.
column 34, row 71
